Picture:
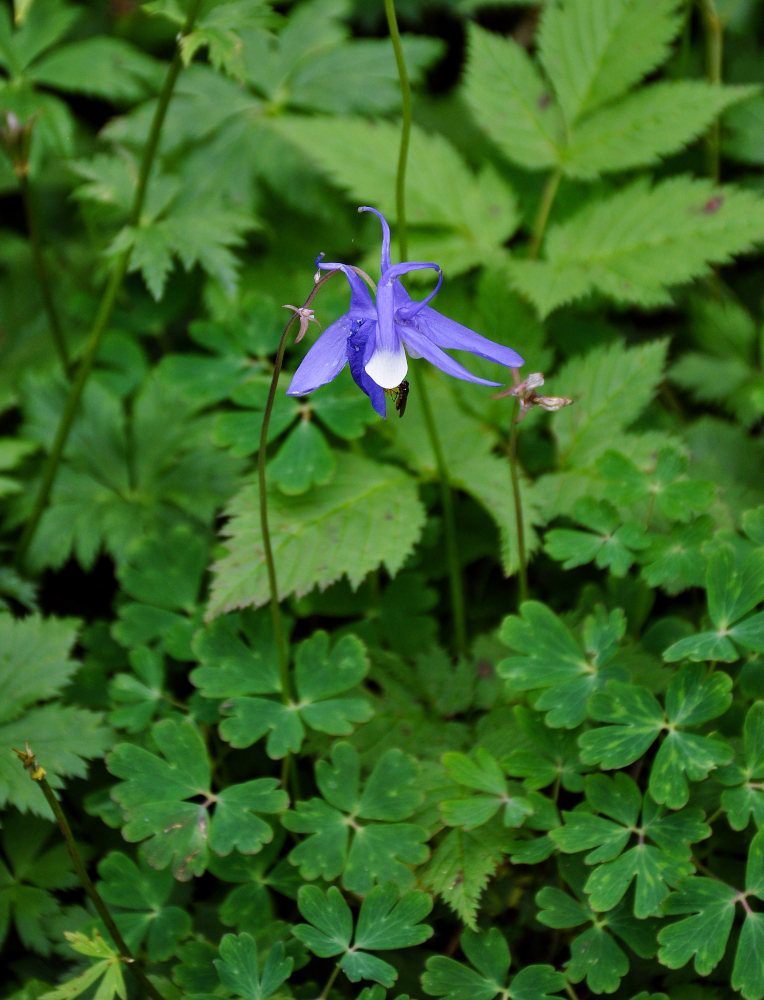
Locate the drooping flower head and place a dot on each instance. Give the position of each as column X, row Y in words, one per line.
column 374, row 339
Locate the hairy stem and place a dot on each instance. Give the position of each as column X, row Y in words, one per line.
column 37, row 774
column 30, row 213
column 542, row 213
column 522, row 569
column 446, row 494
column 714, row 51
column 106, row 305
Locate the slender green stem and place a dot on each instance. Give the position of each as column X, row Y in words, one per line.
column 330, row 982
column 714, row 53
column 446, row 494
column 522, row 569
column 37, row 773
column 106, row 305
column 278, row 629
column 30, row 213
column 542, row 213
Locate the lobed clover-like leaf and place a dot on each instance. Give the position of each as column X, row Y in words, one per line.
column 656, row 863
column 108, row 969
column 155, row 794
column 145, row 893
column 552, row 660
column 734, row 587
column 386, row 921
column 482, row 773
column 609, row 544
column 239, row 971
column 489, row 955
column 324, row 679
column 550, row 755
column 374, row 851
column 743, row 798
column 594, row 955
column 636, row 719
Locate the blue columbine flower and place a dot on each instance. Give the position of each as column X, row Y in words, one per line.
column 374, row 339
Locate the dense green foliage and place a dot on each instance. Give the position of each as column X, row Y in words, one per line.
column 559, row 792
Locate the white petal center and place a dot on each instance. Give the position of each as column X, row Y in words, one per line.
column 388, row 368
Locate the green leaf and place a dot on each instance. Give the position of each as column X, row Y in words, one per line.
column 117, row 70
column 645, row 126
column 108, row 969
column 375, row 851
column 595, row 50
column 369, row 514
column 489, row 954
column 320, row 676
column 143, row 889
column 388, row 921
column 484, row 774
column 748, row 970
column 304, row 460
column 34, row 667
column 239, row 971
column 612, row 547
column 461, row 866
column 385, row 921
column 704, row 934
column 551, row 659
column 634, row 245
column 511, row 101
column 613, row 385
column 746, row 800
column 125, row 477
column 154, row 798
column 478, row 213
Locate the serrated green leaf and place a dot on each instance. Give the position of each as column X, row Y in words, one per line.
column 645, row 126
column 594, row 50
column 368, row 515
column 636, row 244
column 479, row 213
column 116, row 70
column 511, row 101
column 460, row 867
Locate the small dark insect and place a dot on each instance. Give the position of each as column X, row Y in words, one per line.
column 400, row 395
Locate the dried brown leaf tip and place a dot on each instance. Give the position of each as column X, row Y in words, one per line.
column 28, row 759
column 527, row 395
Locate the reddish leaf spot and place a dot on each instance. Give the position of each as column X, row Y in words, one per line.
column 544, row 101
column 713, row 204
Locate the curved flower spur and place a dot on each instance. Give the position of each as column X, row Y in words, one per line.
column 375, row 339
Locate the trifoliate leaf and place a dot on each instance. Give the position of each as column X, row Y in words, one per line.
column 139, row 695
column 490, row 957
column 320, row 677
column 636, row 244
column 386, row 921
column 482, row 772
column 611, row 546
column 552, row 660
column 734, row 587
column 657, row 862
column 145, row 891
column 743, row 797
column 511, row 101
column 154, row 797
column 362, row 852
column 239, row 971
column 595, row 50
column 369, row 514
column 636, row 719
column 704, row 934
